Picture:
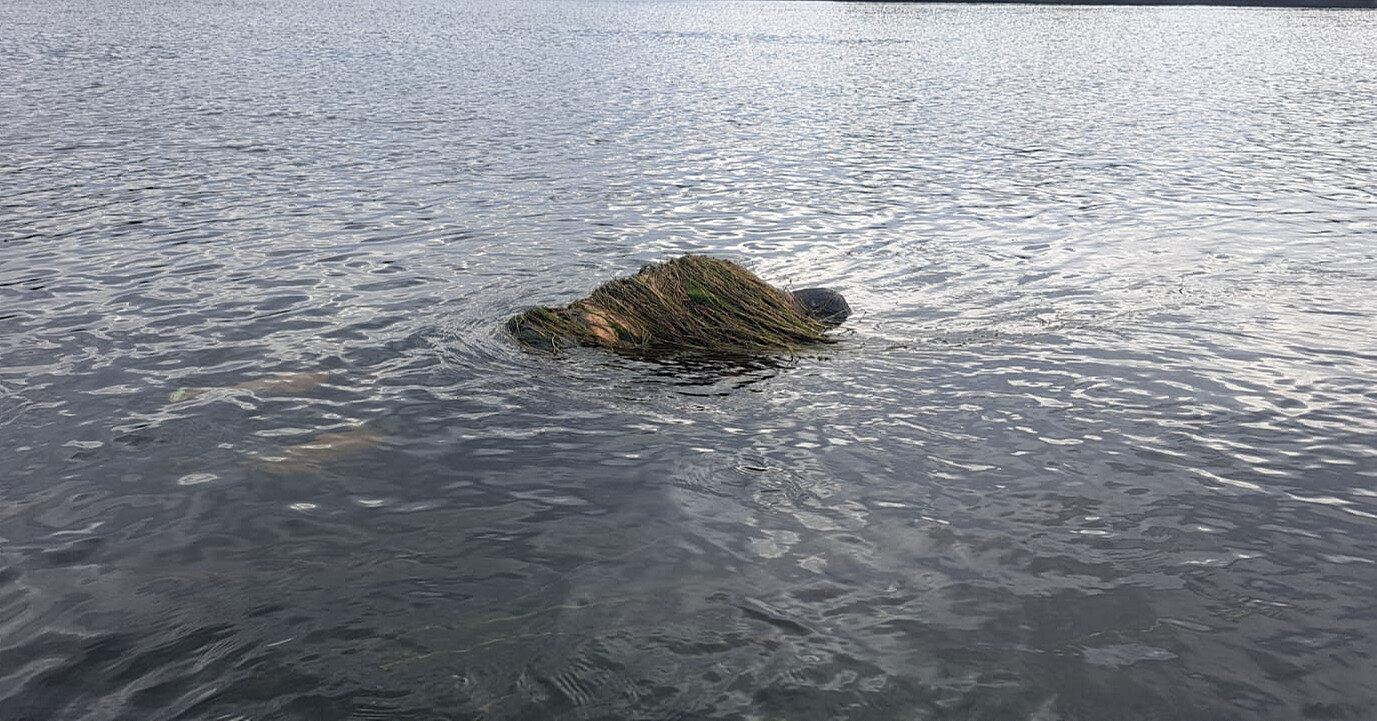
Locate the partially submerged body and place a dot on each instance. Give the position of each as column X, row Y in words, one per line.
column 287, row 384
column 311, row 455
column 321, row 450
column 690, row 304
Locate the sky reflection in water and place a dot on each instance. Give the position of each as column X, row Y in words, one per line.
column 1098, row 442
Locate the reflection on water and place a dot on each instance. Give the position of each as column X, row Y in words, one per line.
column 1098, row 442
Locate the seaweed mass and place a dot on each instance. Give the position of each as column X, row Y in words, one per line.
column 691, row 304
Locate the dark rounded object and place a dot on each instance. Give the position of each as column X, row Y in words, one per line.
column 824, row 305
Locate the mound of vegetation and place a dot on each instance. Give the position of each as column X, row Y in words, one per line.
column 694, row 303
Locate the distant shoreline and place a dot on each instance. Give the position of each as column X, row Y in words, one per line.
column 1320, row 4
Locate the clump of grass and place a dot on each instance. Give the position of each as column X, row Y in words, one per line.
column 691, row 304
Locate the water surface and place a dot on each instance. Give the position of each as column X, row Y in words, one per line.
column 1099, row 443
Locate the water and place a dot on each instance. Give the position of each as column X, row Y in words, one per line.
column 1099, row 443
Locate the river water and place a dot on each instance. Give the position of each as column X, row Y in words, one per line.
column 1098, row 443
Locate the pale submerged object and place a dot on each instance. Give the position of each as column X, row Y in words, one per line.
column 323, row 449
column 280, row 385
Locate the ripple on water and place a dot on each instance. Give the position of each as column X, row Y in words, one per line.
column 1097, row 443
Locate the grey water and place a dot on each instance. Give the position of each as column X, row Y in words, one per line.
column 1099, row 443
